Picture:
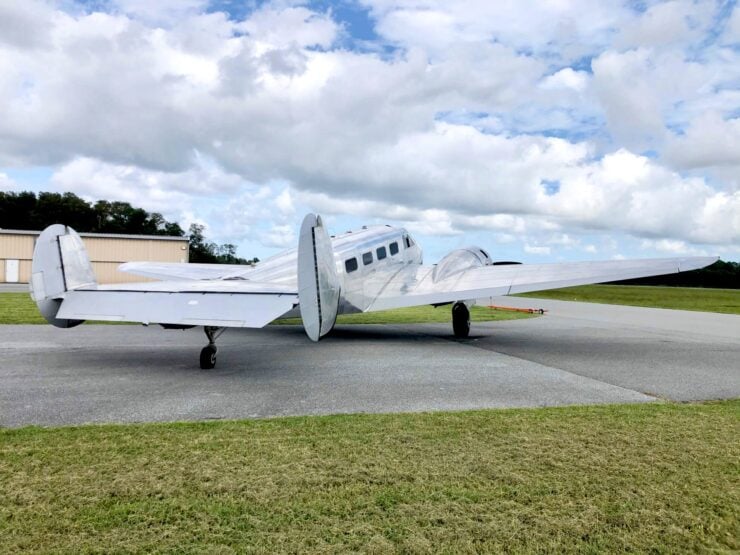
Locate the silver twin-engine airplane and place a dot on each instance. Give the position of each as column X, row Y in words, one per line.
column 375, row 268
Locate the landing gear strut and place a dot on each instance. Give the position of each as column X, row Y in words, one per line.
column 208, row 354
column 460, row 320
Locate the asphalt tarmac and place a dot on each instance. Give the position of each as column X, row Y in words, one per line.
column 577, row 353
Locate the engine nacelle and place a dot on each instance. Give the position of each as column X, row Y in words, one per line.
column 460, row 260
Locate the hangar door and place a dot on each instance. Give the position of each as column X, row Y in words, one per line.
column 12, row 271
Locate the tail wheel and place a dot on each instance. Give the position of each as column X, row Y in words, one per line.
column 208, row 357
column 460, row 320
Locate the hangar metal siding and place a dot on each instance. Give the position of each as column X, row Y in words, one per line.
column 16, row 246
column 106, row 253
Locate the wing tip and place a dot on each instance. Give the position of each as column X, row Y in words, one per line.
column 696, row 263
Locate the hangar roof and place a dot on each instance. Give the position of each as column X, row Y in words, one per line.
column 101, row 235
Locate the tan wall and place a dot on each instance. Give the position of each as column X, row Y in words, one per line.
column 24, row 271
column 106, row 272
column 16, row 246
column 103, row 249
column 106, row 254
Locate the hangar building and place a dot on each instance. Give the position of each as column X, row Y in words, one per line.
column 106, row 252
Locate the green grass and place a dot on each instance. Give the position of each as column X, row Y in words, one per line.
column 682, row 298
column 658, row 478
column 18, row 308
column 419, row 315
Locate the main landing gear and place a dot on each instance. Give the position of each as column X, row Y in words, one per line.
column 460, row 320
column 208, row 354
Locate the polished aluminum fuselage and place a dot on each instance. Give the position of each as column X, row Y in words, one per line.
column 358, row 288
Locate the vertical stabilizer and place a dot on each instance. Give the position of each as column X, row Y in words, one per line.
column 60, row 264
column 318, row 282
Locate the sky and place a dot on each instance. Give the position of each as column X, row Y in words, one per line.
column 541, row 131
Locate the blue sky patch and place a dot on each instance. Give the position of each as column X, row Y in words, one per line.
column 551, row 187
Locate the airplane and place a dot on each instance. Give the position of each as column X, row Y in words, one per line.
column 374, row 268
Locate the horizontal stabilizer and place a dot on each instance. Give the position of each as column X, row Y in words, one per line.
column 242, row 310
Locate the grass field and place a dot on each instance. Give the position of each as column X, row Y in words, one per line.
column 659, row 478
column 682, row 298
column 419, row 314
column 18, row 308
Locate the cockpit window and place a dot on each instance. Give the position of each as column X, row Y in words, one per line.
column 394, row 248
column 367, row 258
column 408, row 241
column 380, row 252
column 350, row 265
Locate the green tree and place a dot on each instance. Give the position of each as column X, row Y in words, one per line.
column 26, row 210
column 201, row 250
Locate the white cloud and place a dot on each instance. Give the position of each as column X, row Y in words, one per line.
column 566, row 29
column 539, row 250
column 631, row 102
column 284, row 203
column 278, row 28
column 566, row 78
column 281, row 236
column 666, row 23
column 732, row 31
column 161, row 104
column 161, row 12
column 562, row 240
column 710, row 140
column 672, row 247
column 6, row 183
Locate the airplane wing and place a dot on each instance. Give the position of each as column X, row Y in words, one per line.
column 412, row 286
column 177, row 271
column 232, row 303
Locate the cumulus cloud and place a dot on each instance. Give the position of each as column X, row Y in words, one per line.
column 278, row 28
column 535, row 122
column 709, row 141
column 7, row 184
column 732, row 30
column 534, row 249
column 161, row 12
column 667, row 23
column 566, row 30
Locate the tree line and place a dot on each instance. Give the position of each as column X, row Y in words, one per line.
column 721, row 275
column 30, row 211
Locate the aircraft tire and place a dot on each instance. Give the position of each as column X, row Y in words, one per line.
column 208, row 357
column 460, row 320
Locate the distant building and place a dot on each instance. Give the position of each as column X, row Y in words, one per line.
column 106, row 252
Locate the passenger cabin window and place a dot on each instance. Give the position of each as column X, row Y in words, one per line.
column 394, row 248
column 350, row 265
column 367, row 258
column 380, row 252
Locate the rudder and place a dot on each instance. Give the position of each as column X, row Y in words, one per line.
column 318, row 283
